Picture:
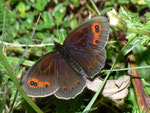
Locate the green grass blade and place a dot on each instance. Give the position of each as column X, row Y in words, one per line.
column 16, row 83
column 1, row 77
column 125, row 50
column 22, row 59
column 128, row 47
column 30, row 63
column 88, row 107
column 28, row 43
column 13, row 78
column 15, row 60
column 95, row 7
column 123, row 69
column 3, row 28
column 3, row 102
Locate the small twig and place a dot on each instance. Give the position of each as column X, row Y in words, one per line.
column 24, row 45
column 142, row 97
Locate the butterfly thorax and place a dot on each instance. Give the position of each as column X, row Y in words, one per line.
column 69, row 60
column 61, row 50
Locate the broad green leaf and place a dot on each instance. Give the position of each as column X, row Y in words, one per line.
column 47, row 22
column 66, row 23
column 28, row 23
column 22, row 8
column 41, row 4
column 59, row 12
column 40, row 35
column 74, row 23
column 76, row 3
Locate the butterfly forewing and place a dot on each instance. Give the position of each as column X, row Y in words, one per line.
column 91, row 36
column 86, row 44
column 52, row 75
column 42, row 78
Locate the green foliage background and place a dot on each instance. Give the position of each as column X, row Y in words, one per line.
column 57, row 20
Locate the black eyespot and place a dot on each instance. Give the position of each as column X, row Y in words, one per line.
column 96, row 27
column 35, row 83
column 46, row 86
column 90, row 69
column 96, row 41
column 32, row 83
column 65, row 89
column 97, row 30
column 78, row 83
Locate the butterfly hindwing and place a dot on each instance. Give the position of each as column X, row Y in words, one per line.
column 71, row 82
column 91, row 63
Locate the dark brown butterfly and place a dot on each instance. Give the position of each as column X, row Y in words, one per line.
column 63, row 72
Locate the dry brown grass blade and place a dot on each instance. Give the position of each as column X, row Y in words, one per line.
column 142, row 99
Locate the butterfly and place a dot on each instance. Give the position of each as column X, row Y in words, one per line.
column 63, row 72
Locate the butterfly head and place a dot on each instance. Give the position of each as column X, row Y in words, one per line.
column 60, row 48
column 57, row 45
